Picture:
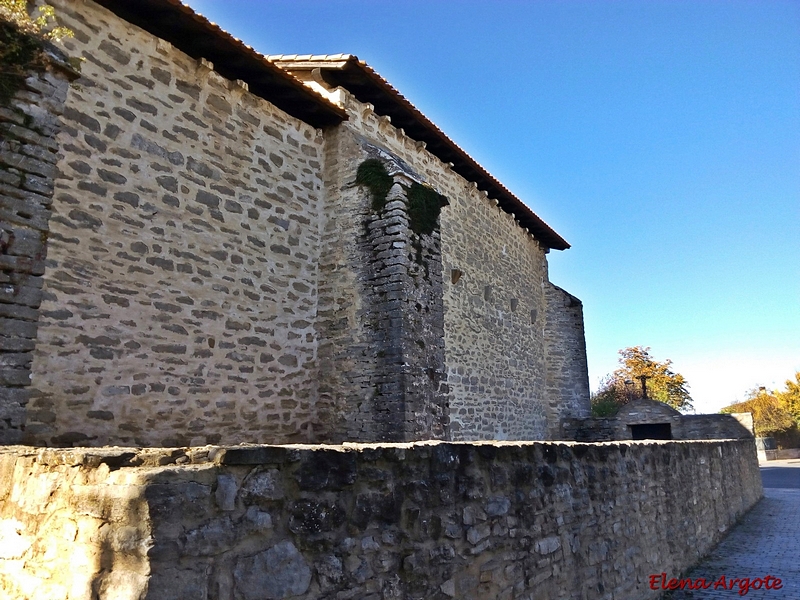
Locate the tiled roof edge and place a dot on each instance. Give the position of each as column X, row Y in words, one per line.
column 367, row 85
column 195, row 35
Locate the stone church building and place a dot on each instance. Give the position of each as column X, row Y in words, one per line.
column 218, row 247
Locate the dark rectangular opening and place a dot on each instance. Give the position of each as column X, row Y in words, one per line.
column 651, row 431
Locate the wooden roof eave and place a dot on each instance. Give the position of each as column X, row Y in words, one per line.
column 197, row 37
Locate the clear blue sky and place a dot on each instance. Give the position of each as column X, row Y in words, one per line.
column 660, row 138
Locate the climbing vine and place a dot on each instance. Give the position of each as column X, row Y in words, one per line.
column 44, row 26
column 372, row 174
column 424, row 206
column 424, row 203
column 22, row 39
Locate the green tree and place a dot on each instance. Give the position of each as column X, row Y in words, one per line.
column 624, row 384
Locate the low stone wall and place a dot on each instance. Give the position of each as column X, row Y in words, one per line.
column 785, row 454
column 427, row 520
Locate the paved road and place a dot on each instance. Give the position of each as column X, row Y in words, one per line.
column 765, row 542
column 781, row 474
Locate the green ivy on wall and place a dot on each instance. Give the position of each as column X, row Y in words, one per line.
column 372, row 174
column 22, row 39
column 20, row 52
column 424, row 206
column 424, row 203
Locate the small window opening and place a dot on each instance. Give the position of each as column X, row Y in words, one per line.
column 651, row 431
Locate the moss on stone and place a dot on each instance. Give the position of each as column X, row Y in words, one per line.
column 373, row 175
column 424, row 203
column 20, row 53
column 424, row 206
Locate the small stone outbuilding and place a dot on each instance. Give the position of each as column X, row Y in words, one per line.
column 646, row 419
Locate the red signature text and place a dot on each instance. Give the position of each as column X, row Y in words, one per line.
column 741, row 584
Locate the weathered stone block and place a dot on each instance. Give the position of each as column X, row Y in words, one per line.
column 262, row 486
column 330, row 470
column 225, row 494
column 277, row 573
column 210, row 539
column 252, row 456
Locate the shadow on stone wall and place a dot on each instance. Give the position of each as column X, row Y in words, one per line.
column 435, row 520
column 29, row 122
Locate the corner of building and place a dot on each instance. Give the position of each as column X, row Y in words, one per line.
column 567, row 373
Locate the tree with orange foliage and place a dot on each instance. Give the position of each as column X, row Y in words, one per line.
column 769, row 413
column 790, row 398
column 624, row 384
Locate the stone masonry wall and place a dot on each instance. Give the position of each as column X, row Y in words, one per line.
column 192, row 225
column 567, row 366
column 380, row 322
column 494, row 321
column 709, row 427
column 346, row 357
column 181, row 281
column 646, row 411
column 404, row 318
column 493, row 275
column 79, row 529
column 516, row 521
column 28, row 127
